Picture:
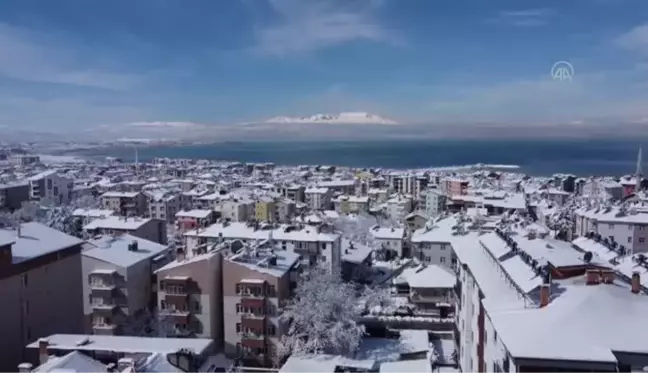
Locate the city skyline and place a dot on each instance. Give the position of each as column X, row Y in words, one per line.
column 70, row 66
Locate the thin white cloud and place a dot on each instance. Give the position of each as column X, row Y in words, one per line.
column 308, row 25
column 635, row 39
column 613, row 94
column 523, row 17
column 28, row 56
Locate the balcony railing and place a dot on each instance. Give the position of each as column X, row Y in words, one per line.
column 104, row 326
column 102, row 286
column 252, row 336
column 247, row 294
column 103, row 306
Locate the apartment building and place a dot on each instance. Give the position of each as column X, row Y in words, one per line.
column 192, row 219
column 413, row 184
column 23, row 159
column 163, row 205
column 430, row 244
column 148, row 229
column 435, row 202
column 190, row 295
column 40, row 288
column 117, row 282
column 125, row 203
column 391, row 239
column 265, row 209
column 285, row 210
column 454, row 186
column 625, row 226
column 351, row 204
column 294, row 192
column 517, row 291
column 314, row 243
column 13, row 195
column 318, row 198
column 49, row 188
column 237, row 209
column 429, row 288
column 339, row 186
column 256, row 283
column 398, row 207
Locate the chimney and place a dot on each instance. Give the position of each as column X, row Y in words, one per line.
column 636, row 282
column 593, row 276
column 607, row 276
column 544, row 295
column 180, row 254
column 43, row 355
column 124, row 363
column 25, row 367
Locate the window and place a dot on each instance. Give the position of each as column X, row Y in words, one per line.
column 197, row 306
column 642, row 240
column 442, row 260
column 49, row 183
column 238, row 308
column 629, row 239
column 642, row 227
column 427, row 259
column 56, row 192
column 25, row 280
column 272, row 290
column 239, row 289
column 443, row 247
column 238, row 327
column 610, row 226
column 163, row 304
column 271, row 329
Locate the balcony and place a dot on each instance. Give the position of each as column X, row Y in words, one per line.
column 253, row 340
column 102, row 286
column 104, row 329
column 176, row 316
column 253, row 323
column 253, row 302
column 104, row 309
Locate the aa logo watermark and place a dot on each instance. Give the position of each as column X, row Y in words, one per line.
column 562, row 71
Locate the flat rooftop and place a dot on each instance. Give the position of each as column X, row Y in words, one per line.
column 124, row 344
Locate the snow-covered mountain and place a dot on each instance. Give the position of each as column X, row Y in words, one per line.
column 342, row 118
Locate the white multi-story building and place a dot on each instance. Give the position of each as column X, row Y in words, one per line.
column 389, row 238
column 435, row 202
column 117, row 285
column 520, row 299
column 318, row 198
column 398, row 207
column 237, row 210
column 626, row 227
column 49, row 188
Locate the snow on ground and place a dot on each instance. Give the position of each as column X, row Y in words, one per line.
column 47, row 158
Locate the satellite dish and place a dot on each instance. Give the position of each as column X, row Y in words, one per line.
column 588, row 257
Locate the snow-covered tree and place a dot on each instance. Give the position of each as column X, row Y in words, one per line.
column 356, row 228
column 562, row 220
column 433, row 355
column 150, row 324
column 323, row 315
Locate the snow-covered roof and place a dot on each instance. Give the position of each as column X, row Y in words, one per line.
column 242, row 230
column 596, row 248
column 585, row 323
column 116, row 194
column 117, row 222
column 115, row 250
column 354, row 252
column 427, row 276
column 74, row 361
column 93, row 213
column 35, row 240
column 406, row 366
column 196, row 214
column 259, row 261
column 125, row 344
column 188, row 260
column 382, row 233
column 323, row 364
column 628, row 265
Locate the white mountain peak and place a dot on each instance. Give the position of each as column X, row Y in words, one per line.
column 342, row 118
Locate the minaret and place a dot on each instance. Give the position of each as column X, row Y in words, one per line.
column 638, row 172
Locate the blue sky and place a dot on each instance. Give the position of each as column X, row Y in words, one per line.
column 79, row 64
